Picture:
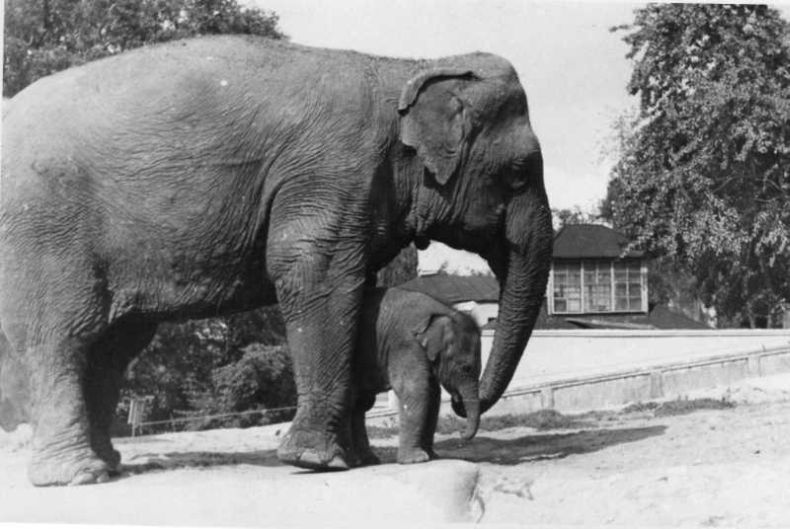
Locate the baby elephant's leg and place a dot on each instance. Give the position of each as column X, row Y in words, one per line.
column 432, row 419
column 415, row 406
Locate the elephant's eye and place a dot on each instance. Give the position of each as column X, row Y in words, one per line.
column 518, row 174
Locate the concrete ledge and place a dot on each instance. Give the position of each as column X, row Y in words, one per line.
column 437, row 492
column 654, row 382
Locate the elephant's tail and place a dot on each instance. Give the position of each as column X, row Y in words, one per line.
column 14, row 387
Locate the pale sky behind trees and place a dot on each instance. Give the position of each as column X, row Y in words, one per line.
column 573, row 68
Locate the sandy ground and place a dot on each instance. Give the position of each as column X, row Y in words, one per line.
column 713, row 468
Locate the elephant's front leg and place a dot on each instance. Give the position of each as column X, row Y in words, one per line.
column 416, row 405
column 432, row 418
column 321, row 305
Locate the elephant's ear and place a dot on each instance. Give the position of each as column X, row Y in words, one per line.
column 434, row 119
column 436, row 336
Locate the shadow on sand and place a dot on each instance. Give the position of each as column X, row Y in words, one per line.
column 514, row 451
column 533, row 447
column 144, row 463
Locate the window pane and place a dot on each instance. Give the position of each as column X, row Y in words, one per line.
column 598, row 298
column 567, row 287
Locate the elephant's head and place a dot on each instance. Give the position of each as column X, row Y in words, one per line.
column 482, row 190
column 452, row 343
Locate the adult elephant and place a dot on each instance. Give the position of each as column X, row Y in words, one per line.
column 213, row 175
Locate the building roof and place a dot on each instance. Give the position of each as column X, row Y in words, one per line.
column 456, row 289
column 586, row 241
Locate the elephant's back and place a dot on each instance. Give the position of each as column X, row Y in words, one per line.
column 181, row 67
column 210, row 90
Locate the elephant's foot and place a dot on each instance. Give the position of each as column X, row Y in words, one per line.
column 368, row 458
column 113, row 459
column 313, row 450
column 102, row 447
column 413, row 455
column 81, row 469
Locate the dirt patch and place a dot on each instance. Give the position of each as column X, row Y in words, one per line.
column 701, row 463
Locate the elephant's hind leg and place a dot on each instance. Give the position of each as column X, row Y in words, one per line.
column 359, row 432
column 62, row 453
column 54, row 307
column 107, row 361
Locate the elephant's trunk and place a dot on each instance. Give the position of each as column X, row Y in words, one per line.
column 521, row 265
column 466, row 403
column 472, row 408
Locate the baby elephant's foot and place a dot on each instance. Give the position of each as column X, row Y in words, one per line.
column 413, row 455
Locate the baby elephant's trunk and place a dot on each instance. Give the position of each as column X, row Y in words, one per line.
column 470, row 404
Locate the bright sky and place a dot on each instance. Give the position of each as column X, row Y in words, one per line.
column 572, row 67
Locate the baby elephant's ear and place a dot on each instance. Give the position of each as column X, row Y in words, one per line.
column 436, row 336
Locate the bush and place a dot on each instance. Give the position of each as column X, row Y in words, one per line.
column 262, row 379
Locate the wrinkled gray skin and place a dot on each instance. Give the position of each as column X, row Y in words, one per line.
column 14, row 388
column 410, row 343
column 203, row 177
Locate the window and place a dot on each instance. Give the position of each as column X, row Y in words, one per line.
column 567, row 288
column 597, row 286
column 627, row 287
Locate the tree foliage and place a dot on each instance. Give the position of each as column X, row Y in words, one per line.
column 183, row 367
column 45, row 36
column 562, row 217
column 703, row 176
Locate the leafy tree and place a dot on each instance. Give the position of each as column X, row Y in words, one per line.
column 179, row 368
column 565, row 216
column 703, row 176
column 262, row 379
column 45, row 36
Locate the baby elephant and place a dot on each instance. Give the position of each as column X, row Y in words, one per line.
column 410, row 342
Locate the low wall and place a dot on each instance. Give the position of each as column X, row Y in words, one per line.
column 638, row 385
column 567, row 353
column 577, row 370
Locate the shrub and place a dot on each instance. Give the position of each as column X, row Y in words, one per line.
column 262, row 379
